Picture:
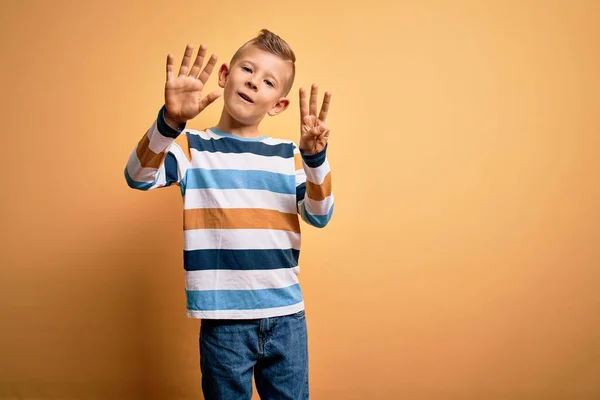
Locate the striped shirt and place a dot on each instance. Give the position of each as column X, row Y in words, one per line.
column 243, row 198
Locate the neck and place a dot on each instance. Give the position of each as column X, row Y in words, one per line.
column 229, row 125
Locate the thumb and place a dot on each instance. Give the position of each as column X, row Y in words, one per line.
column 205, row 102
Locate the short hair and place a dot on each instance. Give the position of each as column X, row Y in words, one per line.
column 271, row 43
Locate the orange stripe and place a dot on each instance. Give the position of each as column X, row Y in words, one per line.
column 182, row 141
column 319, row 192
column 239, row 218
column 297, row 161
column 148, row 158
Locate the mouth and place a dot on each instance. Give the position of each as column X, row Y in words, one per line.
column 245, row 98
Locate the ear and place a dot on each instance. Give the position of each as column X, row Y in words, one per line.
column 223, row 74
column 279, row 107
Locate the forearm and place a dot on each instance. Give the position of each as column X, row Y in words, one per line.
column 317, row 206
column 149, row 156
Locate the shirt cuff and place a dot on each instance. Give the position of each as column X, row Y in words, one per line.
column 164, row 128
column 315, row 160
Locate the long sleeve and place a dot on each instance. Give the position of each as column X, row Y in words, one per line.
column 157, row 160
column 314, row 197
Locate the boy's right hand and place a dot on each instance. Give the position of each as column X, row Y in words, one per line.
column 183, row 93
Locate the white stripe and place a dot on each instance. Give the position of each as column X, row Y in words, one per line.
column 275, row 141
column 300, row 177
column 316, row 175
column 137, row 173
column 239, row 198
column 224, row 279
column 232, row 239
column 182, row 161
column 242, row 161
column 315, row 207
column 158, row 142
column 247, row 314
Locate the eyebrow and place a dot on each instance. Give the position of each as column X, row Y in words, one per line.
column 254, row 65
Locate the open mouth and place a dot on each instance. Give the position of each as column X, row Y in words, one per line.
column 246, row 98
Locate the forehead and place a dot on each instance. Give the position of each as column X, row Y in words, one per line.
column 265, row 60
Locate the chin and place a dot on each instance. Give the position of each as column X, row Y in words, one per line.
column 241, row 115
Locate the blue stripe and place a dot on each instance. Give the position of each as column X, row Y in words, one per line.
column 200, row 178
column 197, row 260
column 138, row 185
column 230, row 145
column 317, row 220
column 230, row 135
column 171, row 169
column 243, row 299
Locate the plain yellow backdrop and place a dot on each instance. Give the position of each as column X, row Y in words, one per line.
column 462, row 260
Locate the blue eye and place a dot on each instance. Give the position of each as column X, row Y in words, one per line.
column 247, row 69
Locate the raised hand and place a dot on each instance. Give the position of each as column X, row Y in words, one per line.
column 183, row 100
column 313, row 131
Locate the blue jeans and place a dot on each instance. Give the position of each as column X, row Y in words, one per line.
column 275, row 348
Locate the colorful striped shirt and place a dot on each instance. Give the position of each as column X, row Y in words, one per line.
column 242, row 201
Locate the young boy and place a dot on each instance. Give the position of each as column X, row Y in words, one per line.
column 242, row 195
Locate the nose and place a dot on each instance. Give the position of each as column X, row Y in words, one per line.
column 251, row 84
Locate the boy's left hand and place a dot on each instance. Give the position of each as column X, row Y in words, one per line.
column 313, row 131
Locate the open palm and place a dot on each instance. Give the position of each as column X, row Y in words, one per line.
column 183, row 94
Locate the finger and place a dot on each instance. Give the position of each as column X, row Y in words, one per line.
column 313, row 99
column 314, row 131
column 322, row 143
column 303, row 105
column 308, row 121
column 323, row 137
column 185, row 63
column 205, row 102
column 325, row 107
column 169, row 67
column 208, row 69
column 319, row 131
column 198, row 63
column 323, row 128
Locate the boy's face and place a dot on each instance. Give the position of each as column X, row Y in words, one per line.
column 254, row 85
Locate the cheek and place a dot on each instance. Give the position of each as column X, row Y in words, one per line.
column 231, row 83
column 272, row 99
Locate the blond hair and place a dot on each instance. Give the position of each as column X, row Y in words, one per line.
column 272, row 43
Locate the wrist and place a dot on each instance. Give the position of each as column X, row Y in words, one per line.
column 168, row 127
column 173, row 123
column 314, row 160
column 306, row 150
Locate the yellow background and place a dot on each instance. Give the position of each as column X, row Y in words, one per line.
column 462, row 260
